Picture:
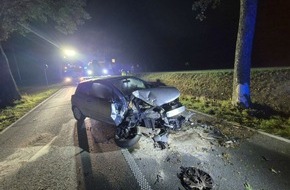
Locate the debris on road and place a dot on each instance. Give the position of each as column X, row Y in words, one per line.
column 159, row 178
column 216, row 147
column 274, row 171
column 195, row 179
column 265, row 158
column 174, row 158
column 248, row 186
column 229, row 142
column 160, row 145
column 221, row 128
column 213, row 134
column 226, row 156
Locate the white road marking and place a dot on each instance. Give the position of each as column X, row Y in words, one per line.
column 136, row 171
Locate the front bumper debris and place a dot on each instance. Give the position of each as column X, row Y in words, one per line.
column 175, row 112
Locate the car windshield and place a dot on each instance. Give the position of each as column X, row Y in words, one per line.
column 129, row 85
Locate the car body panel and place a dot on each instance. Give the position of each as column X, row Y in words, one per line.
column 157, row 96
column 175, row 112
column 107, row 110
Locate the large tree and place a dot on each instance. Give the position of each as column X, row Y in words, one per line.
column 242, row 65
column 18, row 16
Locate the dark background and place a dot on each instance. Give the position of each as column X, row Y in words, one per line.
column 157, row 35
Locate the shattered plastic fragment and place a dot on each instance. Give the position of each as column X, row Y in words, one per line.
column 266, row 159
column 247, row 186
column 159, row 178
column 226, row 156
column 161, row 145
column 274, row 171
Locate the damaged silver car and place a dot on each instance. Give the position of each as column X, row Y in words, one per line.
column 129, row 103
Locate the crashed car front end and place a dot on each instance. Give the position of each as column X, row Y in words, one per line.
column 159, row 107
column 156, row 108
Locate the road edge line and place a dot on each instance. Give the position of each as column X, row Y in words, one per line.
column 15, row 122
column 141, row 180
column 255, row 130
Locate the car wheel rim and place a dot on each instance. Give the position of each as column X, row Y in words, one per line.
column 194, row 178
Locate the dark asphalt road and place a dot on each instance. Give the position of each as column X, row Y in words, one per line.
column 37, row 152
column 48, row 149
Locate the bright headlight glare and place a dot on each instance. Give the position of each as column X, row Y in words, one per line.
column 89, row 72
column 105, row 71
column 67, row 79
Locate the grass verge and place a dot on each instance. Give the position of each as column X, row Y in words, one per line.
column 258, row 117
column 10, row 114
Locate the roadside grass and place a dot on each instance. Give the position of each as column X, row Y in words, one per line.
column 258, row 117
column 10, row 114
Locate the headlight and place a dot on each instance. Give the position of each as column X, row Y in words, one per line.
column 67, row 79
column 89, row 72
column 105, row 71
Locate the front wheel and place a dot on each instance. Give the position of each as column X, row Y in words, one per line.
column 127, row 137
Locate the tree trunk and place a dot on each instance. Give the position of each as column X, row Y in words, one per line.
column 8, row 89
column 242, row 68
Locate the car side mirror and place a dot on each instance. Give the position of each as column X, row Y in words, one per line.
column 102, row 91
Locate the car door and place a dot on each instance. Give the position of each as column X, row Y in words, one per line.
column 81, row 96
column 100, row 102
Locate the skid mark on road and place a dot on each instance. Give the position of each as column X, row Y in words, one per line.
column 40, row 140
column 44, row 150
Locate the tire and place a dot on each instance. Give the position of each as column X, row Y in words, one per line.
column 133, row 136
column 78, row 115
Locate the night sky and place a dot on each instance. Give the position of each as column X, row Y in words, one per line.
column 159, row 35
column 162, row 35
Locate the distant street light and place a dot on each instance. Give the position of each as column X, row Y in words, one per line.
column 45, row 75
column 113, row 60
column 69, row 52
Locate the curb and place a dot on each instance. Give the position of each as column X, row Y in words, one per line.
column 255, row 130
column 15, row 122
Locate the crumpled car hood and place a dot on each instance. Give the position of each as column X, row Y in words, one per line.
column 157, row 96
